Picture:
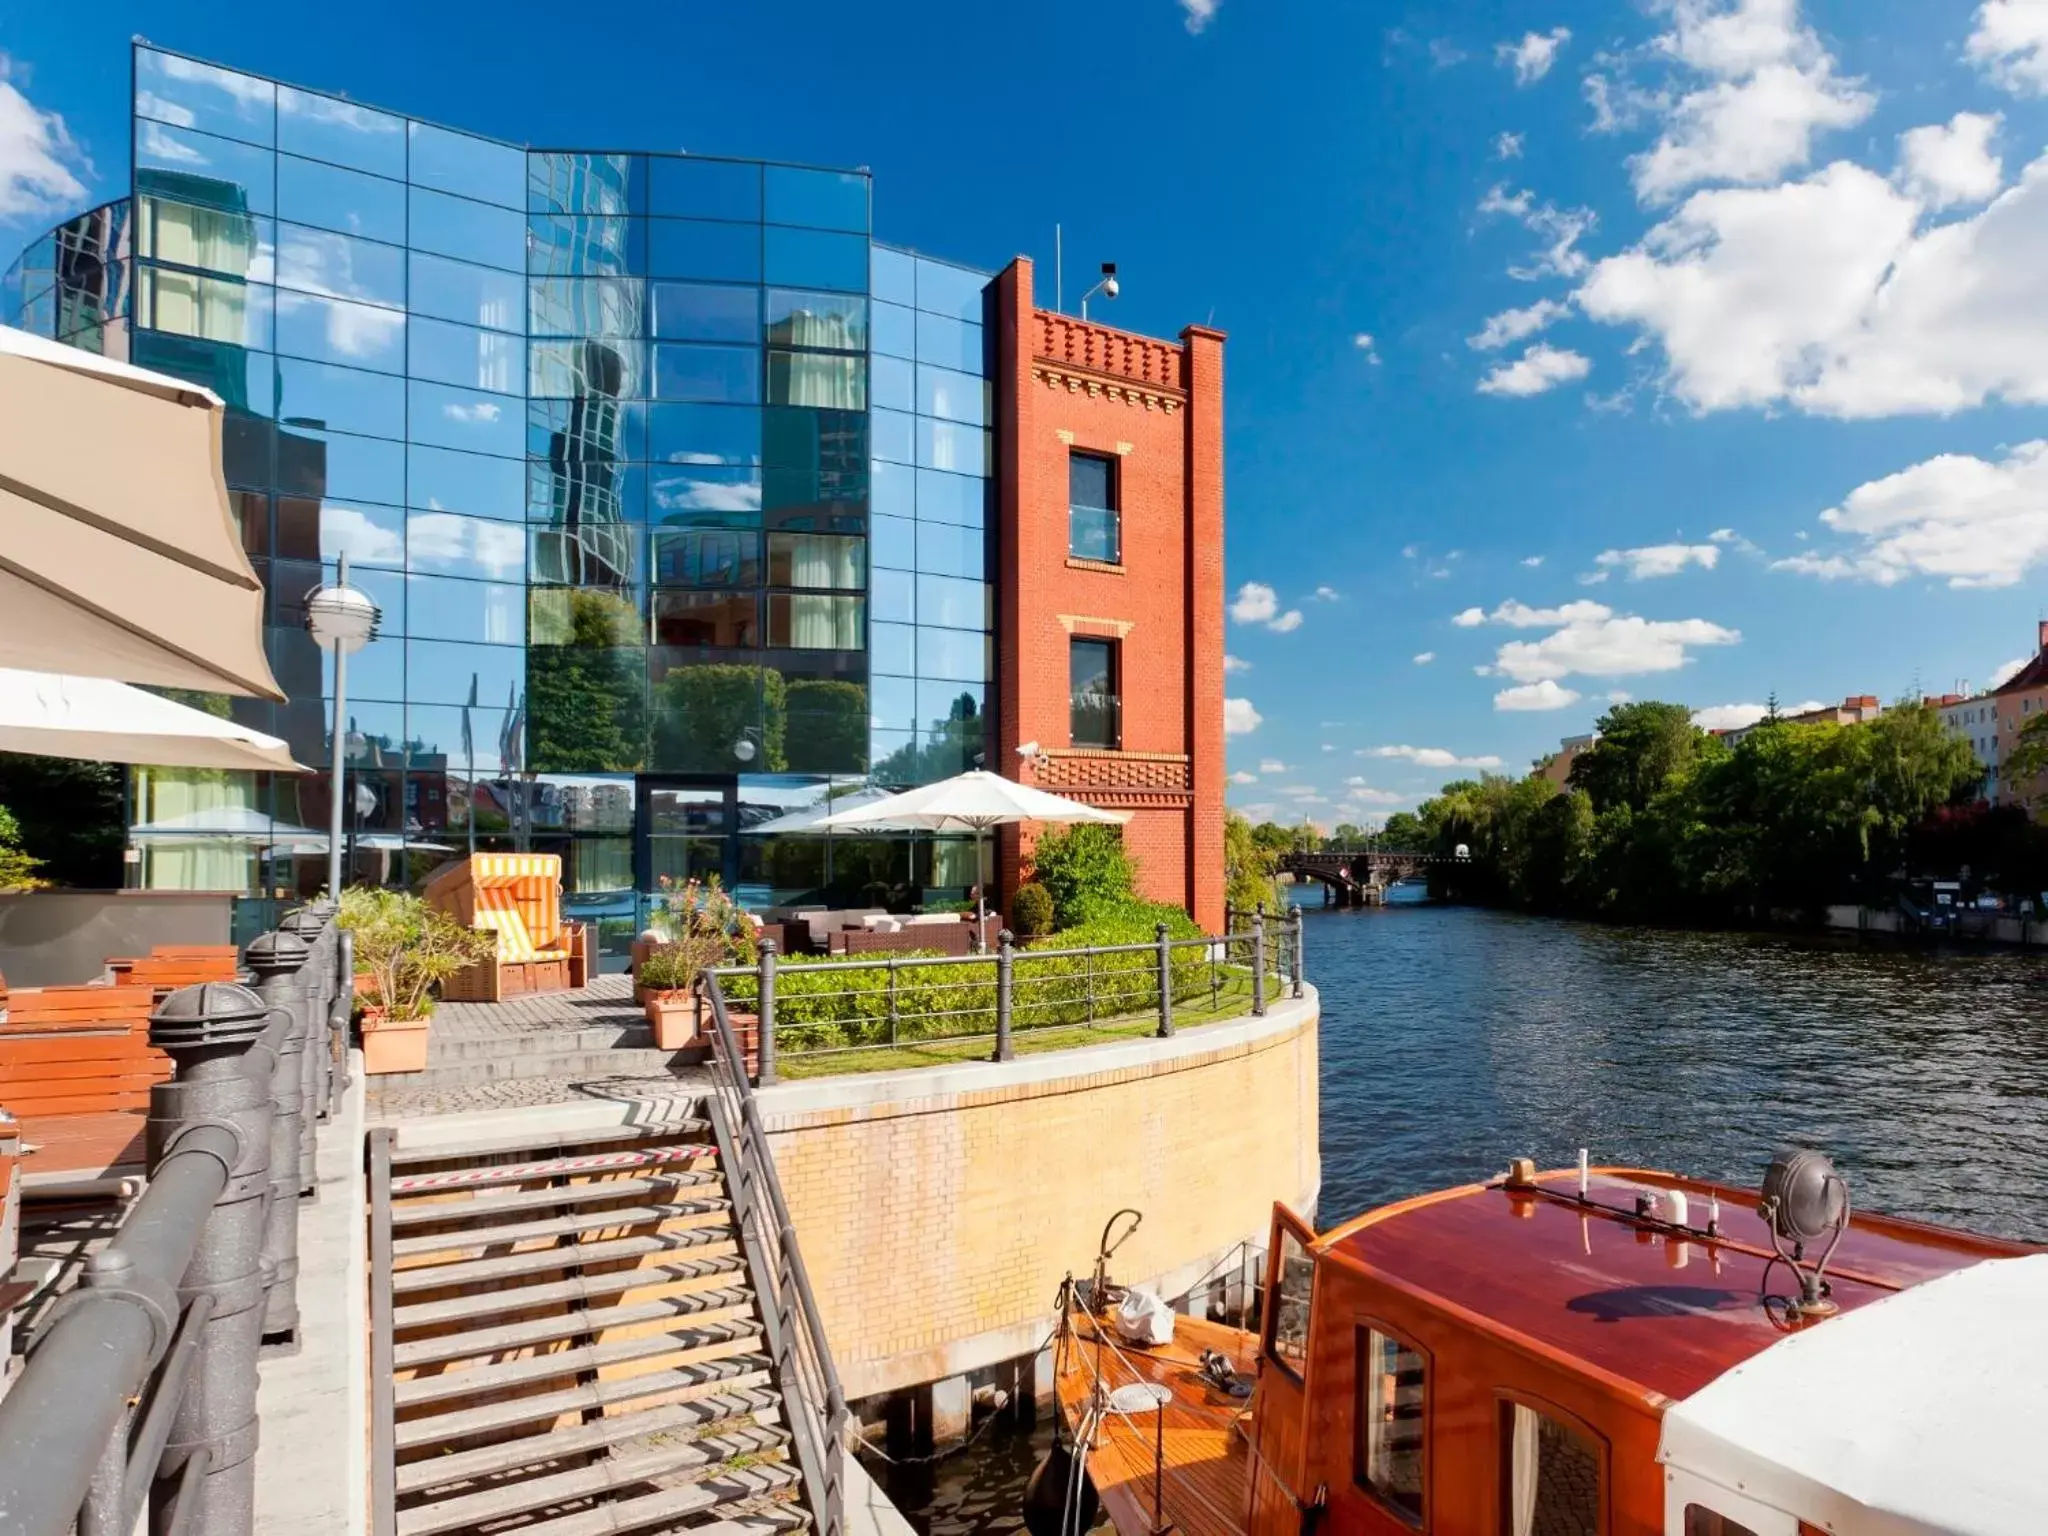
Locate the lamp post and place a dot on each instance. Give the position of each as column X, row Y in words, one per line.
column 342, row 620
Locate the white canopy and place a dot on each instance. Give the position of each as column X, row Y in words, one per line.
column 1919, row 1415
column 121, row 558
column 223, row 821
column 811, row 818
column 52, row 715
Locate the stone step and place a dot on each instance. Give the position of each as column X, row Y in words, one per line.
column 717, row 1498
column 419, row 1213
column 539, row 1450
column 469, row 1238
column 611, row 1033
column 442, row 1347
column 734, row 1341
column 691, row 1461
column 713, row 1398
column 717, row 1271
column 630, row 1138
column 435, row 1277
column 575, row 1066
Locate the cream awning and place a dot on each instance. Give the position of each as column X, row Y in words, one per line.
column 96, row 718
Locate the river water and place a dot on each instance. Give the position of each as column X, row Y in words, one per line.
column 1454, row 1039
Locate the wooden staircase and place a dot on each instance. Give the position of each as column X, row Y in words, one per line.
column 567, row 1342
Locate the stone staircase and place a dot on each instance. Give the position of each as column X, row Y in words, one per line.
column 574, row 1341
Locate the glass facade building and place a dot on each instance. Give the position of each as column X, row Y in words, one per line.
column 671, row 484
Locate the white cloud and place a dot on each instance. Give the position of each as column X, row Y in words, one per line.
column 1326, row 594
column 1654, row 560
column 1199, row 13
column 1971, row 522
column 1562, row 228
column 1769, row 88
column 1540, row 369
column 2007, row 671
column 1470, row 618
column 1255, row 603
column 1286, row 623
column 1943, row 164
column 1431, row 757
column 1328, row 747
column 1532, row 561
column 1519, row 615
column 1735, row 717
column 1239, row 718
column 1512, row 325
column 1271, row 765
column 1535, row 696
column 1300, row 792
column 1363, row 342
column 1241, row 777
column 1534, row 54
column 1602, row 644
column 1619, row 696
column 1424, row 658
column 2010, row 42
column 1507, row 146
column 42, row 171
column 1724, row 536
column 1361, row 794
column 1235, row 664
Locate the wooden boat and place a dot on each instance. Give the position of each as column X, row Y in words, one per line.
column 1594, row 1352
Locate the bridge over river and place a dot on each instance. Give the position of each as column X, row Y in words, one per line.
column 1356, row 877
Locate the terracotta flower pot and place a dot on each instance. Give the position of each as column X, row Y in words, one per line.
column 674, row 1017
column 393, row 1045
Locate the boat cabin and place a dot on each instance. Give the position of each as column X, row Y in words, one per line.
column 1617, row 1352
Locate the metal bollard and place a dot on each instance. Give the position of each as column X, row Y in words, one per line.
column 1259, row 960
column 765, row 1056
column 1165, row 984
column 1005, row 961
column 305, row 926
column 1294, row 960
column 338, row 1016
column 277, row 959
column 208, row 1031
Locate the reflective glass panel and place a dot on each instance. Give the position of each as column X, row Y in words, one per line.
column 327, row 128
column 467, row 230
column 211, row 308
column 1393, row 1382
column 445, row 672
column 244, row 379
column 360, row 335
column 704, row 434
column 895, row 435
column 683, row 187
column 336, row 399
column 335, row 465
column 707, row 557
column 682, row 492
column 200, row 168
column 895, row 276
column 946, row 549
column 591, row 553
column 443, row 544
column 583, row 491
column 587, row 708
column 694, row 248
column 612, row 368
column 952, row 445
column 807, row 623
column 895, row 330
column 194, row 95
column 584, row 616
column 585, row 245
column 892, row 648
column 950, row 343
column 949, row 290
column 952, row 653
column 586, row 306
column 340, row 266
column 468, row 419
column 952, row 602
column 442, row 609
column 462, row 354
column 835, row 320
column 466, row 165
column 241, row 245
column 809, row 258
column 833, row 443
column 706, row 312
column 731, row 375
column 595, row 429
column 441, row 480
column 834, row 562
column 946, row 700
column 895, row 540
column 579, row 183
column 894, row 384
column 947, row 498
column 328, row 197
column 370, row 535
column 817, row 199
column 1551, row 1476
column 890, row 591
column 460, row 290
column 707, row 620
column 451, row 738
column 892, row 491
column 836, row 380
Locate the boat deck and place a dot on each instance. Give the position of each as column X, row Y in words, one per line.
column 1207, row 1464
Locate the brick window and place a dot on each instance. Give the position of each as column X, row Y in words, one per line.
column 1094, row 521
column 1094, row 716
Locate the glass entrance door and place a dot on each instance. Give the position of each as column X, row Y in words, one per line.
column 685, row 832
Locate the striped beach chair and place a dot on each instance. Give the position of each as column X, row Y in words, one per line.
column 518, row 897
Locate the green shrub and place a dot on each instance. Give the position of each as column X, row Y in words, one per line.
column 1031, row 911
column 1085, row 870
column 407, row 947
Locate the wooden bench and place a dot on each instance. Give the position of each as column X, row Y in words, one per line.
column 170, row 966
column 76, row 1068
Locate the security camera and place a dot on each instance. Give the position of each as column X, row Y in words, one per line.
column 1109, row 289
column 1028, row 749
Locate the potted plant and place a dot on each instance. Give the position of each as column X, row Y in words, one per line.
column 666, row 989
column 699, row 926
column 404, row 948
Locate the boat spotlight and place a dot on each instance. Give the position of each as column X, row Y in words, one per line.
column 1805, row 1200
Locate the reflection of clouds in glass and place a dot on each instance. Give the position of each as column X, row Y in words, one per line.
column 149, row 104
column 339, row 114
column 481, row 410
column 345, row 531
column 696, row 458
column 158, row 145
column 245, row 89
column 460, row 543
column 707, row 496
column 353, row 330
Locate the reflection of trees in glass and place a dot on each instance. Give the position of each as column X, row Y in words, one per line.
column 586, row 698
column 702, row 712
column 828, row 726
column 947, row 747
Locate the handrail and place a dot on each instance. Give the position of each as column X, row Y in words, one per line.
column 813, row 1399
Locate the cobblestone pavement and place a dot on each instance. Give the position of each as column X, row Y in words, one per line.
column 607, row 1000
column 687, row 1086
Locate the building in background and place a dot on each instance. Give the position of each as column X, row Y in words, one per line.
column 1557, row 767
column 683, row 499
column 1854, row 710
column 2016, row 702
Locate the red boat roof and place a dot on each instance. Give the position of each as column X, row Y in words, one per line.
column 1663, row 1313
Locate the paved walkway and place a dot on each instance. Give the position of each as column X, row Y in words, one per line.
column 607, row 1001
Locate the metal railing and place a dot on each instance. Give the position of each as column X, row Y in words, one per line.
column 814, row 1404
column 894, row 1002
column 139, row 1390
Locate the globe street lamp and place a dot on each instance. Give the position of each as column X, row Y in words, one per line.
column 342, row 620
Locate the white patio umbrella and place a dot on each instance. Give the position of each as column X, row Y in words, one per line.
column 53, row 715
column 970, row 802
column 241, row 822
column 119, row 556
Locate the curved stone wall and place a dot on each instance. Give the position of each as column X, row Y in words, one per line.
column 940, row 1208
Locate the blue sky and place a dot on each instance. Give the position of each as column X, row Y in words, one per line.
column 1691, row 350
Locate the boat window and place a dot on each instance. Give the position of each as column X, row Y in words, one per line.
column 1702, row 1521
column 1393, row 1392
column 1550, row 1476
column 1288, row 1345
